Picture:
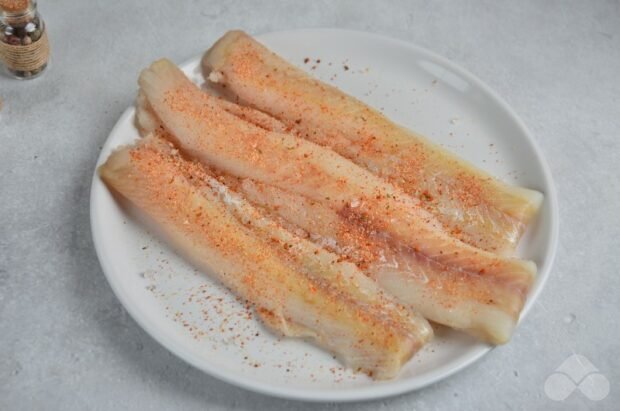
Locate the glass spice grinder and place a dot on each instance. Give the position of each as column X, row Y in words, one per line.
column 24, row 47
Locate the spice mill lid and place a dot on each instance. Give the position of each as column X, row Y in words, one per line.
column 15, row 6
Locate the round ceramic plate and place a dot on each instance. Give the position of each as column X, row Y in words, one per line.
column 205, row 325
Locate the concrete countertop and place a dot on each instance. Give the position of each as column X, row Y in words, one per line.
column 66, row 343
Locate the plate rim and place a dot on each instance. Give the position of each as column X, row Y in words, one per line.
column 381, row 390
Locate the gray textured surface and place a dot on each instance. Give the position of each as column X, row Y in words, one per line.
column 65, row 341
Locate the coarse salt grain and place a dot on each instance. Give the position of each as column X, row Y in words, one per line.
column 216, row 76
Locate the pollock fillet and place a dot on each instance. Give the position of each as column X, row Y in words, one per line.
column 474, row 206
column 484, row 306
column 297, row 287
column 359, row 199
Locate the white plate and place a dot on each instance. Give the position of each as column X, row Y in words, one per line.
column 412, row 86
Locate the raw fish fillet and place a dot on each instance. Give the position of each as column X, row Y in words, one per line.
column 477, row 304
column 147, row 121
column 483, row 305
column 475, row 207
column 298, row 288
column 359, row 199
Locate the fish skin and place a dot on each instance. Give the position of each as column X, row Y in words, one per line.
column 477, row 208
column 238, row 136
column 298, row 288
